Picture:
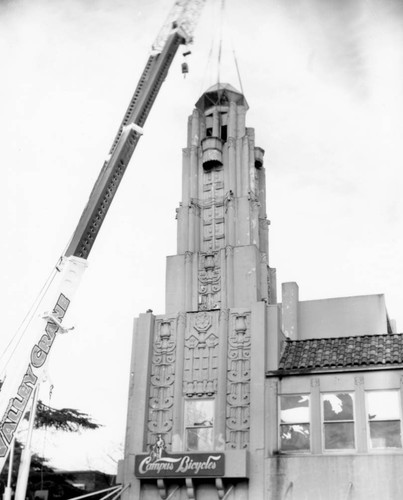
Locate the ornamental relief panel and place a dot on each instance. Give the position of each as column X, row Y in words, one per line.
column 161, row 399
column 212, row 203
column 209, row 282
column 201, row 355
column 238, row 382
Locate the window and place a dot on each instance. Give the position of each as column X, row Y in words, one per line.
column 209, row 132
column 224, row 132
column 294, row 423
column 384, row 419
column 199, row 417
column 338, row 421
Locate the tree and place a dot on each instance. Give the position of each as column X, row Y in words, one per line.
column 43, row 475
column 66, row 419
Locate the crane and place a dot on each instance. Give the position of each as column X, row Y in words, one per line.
column 18, row 388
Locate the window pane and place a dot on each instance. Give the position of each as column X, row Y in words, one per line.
column 383, row 405
column 294, row 409
column 338, row 406
column 385, row 434
column 199, row 439
column 339, row 436
column 199, row 412
column 294, row 437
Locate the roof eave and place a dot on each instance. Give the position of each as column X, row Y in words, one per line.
column 339, row 369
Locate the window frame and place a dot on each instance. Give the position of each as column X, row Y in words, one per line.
column 330, row 422
column 389, row 449
column 191, row 427
column 300, row 422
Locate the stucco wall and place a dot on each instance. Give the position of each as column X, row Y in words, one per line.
column 348, row 477
column 342, row 317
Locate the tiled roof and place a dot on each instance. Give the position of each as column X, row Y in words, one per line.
column 342, row 352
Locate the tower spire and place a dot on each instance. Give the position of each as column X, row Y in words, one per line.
column 222, row 248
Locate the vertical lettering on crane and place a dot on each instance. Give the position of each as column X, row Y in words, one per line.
column 39, row 353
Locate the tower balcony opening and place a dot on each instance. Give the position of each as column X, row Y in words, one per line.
column 259, row 154
column 212, row 152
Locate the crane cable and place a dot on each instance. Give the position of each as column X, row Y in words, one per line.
column 22, row 328
column 237, row 69
column 222, row 12
column 232, row 47
column 220, row 29
column 209, row 68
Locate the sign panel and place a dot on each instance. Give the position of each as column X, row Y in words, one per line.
column 158, row 463
column 180, row 465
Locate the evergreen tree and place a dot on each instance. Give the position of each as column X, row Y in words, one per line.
column 42, row 475
column 65, row 419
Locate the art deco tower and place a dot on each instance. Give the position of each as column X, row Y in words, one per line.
column 222, row 225
column 198, row 370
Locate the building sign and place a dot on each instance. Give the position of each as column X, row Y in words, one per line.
column 158, row 463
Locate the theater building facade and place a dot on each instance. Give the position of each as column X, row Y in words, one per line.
column 233, row 394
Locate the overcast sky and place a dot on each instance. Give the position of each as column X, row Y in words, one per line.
column 323, row 79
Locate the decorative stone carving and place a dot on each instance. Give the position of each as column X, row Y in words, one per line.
column 238, row 388
column 209, row 282
column 202, row 322
column 213, row 209
column 359, row 380
column 201, row 356
column 162, row 379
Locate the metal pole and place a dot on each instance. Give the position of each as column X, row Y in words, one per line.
column 23, row 471
column 121, row 491
column 8, row 490
column 87, row 495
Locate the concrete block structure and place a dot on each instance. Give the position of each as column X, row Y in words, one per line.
column 234, row 395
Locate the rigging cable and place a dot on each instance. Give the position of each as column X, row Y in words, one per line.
column 237, row 70
column 208, row 78
column 236, row 61
column 220, row 42
column 209, row 59
column 22, row 328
